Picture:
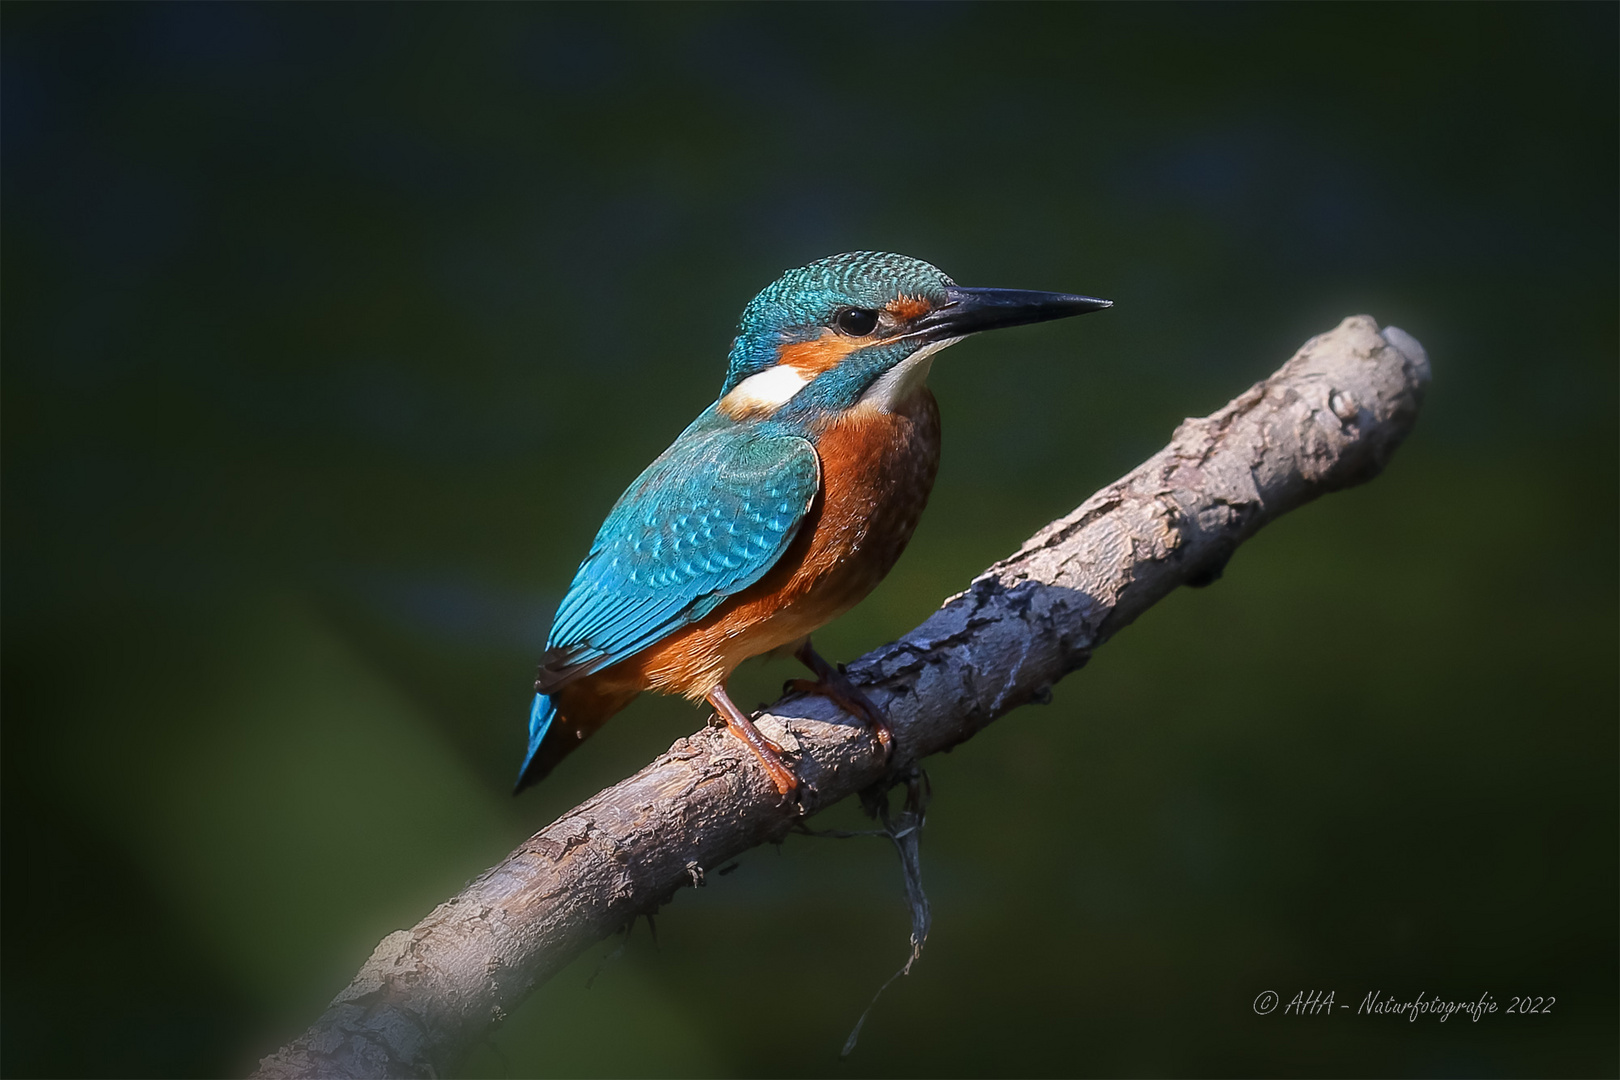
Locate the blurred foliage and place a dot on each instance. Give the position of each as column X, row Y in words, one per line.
column 332, row 332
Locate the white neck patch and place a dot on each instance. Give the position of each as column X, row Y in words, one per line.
column 765, row 391
column 901, row 381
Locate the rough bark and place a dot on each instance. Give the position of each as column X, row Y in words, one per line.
column 1328, row 419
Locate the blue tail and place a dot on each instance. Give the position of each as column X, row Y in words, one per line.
column 541, row 714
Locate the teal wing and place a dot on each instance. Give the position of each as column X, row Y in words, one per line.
column 704, row 522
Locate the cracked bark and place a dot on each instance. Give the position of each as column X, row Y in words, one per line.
column 1328, row 419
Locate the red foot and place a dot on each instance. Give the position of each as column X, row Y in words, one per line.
column 833, row 684
column 768, row 753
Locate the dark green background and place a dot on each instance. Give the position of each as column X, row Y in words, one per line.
column 332, row 332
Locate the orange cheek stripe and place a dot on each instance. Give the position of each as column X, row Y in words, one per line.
column 822, row 354
column 829, row 350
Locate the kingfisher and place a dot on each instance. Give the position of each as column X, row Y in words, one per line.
column 778, row 509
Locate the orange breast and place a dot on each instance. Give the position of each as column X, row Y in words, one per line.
column 877, row 469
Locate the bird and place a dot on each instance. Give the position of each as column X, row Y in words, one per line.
column 778, row 509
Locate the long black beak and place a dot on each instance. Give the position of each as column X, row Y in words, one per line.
column 968, row 311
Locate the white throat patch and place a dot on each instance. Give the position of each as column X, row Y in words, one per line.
column 765, row 392
column 901, row 381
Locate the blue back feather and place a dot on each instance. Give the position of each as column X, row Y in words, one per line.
column 702, row 523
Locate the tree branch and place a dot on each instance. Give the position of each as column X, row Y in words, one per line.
column 1328, row 419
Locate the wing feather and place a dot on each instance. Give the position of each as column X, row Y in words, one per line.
column 703, row 522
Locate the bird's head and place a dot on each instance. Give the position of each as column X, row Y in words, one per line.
column 862, row 328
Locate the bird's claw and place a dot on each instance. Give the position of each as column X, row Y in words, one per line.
column 836, row 687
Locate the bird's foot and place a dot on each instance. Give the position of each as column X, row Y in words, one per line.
column 768, row 752
column 831, row 683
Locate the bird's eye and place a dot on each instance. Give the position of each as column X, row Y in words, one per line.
column 856, row 322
